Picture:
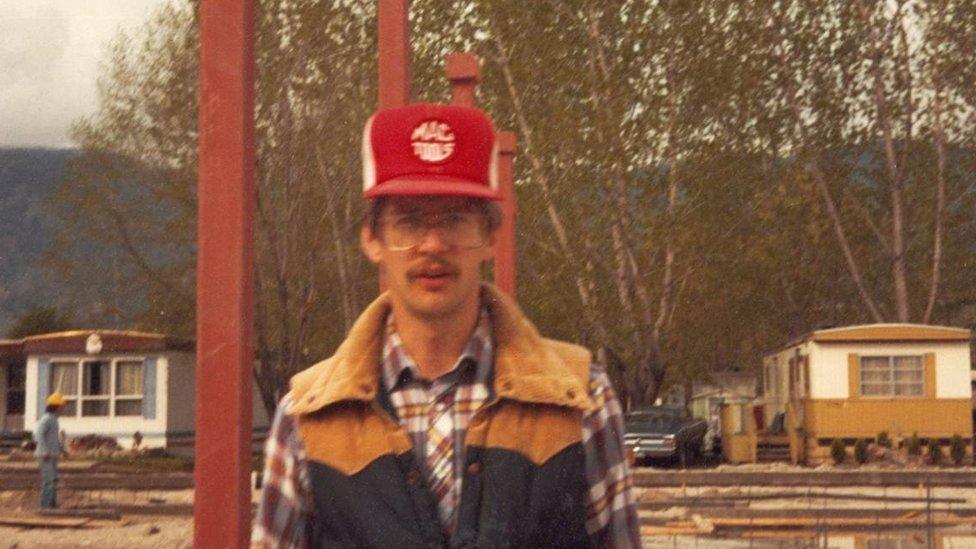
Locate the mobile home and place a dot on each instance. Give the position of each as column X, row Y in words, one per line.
column 857, row 381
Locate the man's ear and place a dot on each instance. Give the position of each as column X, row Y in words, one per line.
column 490, row 243
column 371, row 245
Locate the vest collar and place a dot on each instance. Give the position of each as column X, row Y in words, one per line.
column 527, row 367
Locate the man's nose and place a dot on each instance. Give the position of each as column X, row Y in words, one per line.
column 433, row 241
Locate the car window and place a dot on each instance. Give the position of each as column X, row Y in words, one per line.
column 657, row 420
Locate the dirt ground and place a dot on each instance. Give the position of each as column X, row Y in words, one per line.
column 132, row 532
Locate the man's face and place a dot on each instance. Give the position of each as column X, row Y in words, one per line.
column 440, row 274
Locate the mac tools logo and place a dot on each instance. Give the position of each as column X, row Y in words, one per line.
column 432, row 141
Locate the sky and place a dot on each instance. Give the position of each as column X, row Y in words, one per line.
column 50, row 52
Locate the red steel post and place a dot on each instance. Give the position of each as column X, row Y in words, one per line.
column 464, row 73
column 505, row 246
column 394, row 53
column 225, row 288
column 394, row 61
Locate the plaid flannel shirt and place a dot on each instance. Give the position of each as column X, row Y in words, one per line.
column 285, row 512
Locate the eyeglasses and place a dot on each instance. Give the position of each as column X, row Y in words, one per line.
column 457, row 229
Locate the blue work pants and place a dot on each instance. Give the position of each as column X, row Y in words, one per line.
column 49, row 482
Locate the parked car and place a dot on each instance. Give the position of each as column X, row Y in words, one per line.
column 665, row 433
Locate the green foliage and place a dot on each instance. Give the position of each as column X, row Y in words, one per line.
column 957, row 449
column 936, row 453
column 861, row 450
column 838, row 451
column 883, row 439
column 914, row 445
column 39, row 320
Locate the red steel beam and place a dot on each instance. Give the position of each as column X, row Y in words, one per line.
column 505, row 245
column 225, row 287
column 394, row 53
column 464, row 73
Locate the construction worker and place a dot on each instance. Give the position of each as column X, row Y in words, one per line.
column 444, row 419
column 47, row 435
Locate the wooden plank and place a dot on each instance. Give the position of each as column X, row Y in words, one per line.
column 668, row 531
column 831, row 522
column 29, row 521
column 802, row 534
column 794, row 495
column 107, row 523
column 860, row 512
column 653, row 478
column 108, row 514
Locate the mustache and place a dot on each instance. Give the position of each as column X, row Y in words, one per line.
column 432, row 265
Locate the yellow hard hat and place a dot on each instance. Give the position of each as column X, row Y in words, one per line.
column 55, row 400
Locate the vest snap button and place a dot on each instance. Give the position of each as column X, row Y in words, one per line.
column 474, row 468
column 412, row 476
column 507, row 385
column 571, row 394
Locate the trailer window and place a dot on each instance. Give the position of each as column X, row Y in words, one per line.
column 107, row 387
column 892, row 376
column 64, row 380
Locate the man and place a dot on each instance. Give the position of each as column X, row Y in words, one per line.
column 48, row 439
column 444, row 419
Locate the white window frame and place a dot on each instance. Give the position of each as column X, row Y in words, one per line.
column 892, row 383
column 79, row 398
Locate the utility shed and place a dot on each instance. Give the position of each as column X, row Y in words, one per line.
column 856, row 381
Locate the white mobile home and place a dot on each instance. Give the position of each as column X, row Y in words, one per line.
column 116, row 383
column 857, row 381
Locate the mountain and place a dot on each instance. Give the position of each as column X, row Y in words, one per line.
column 28, row 177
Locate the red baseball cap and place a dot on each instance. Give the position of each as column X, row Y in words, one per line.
column 430, row 149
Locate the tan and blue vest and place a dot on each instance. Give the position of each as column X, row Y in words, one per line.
column 524, row 479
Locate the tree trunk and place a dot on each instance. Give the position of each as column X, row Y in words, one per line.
column 895, row 182
column 845, row 246
column 938, row 137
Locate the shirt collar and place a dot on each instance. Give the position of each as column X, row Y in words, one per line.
column 398, row 366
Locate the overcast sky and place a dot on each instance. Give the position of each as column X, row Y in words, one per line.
column 49, row 56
